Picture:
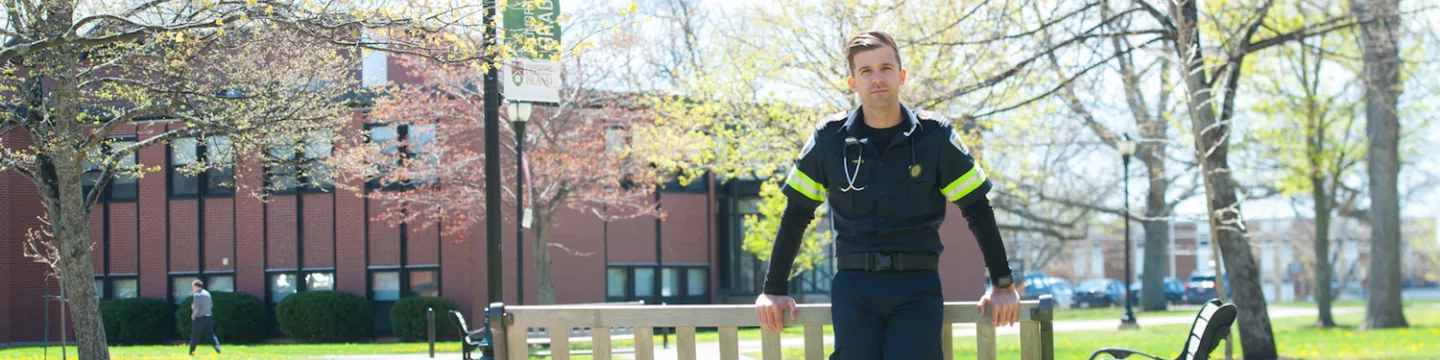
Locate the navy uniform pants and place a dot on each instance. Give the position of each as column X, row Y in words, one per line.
column 886, row 315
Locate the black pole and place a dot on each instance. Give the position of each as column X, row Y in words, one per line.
column 1127, row 321
column 495, row 287
column 492, row 169
column 519, row 210
column 660, row 274
column 430, row 329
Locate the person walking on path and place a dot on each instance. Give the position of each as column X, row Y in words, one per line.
column 899, row 170
column 202, row 321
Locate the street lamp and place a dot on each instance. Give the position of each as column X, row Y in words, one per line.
column 1127, row 148
column 519, row 114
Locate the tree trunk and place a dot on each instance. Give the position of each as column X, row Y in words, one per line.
column 545, row 288
column 1157, row 241
column 60, row 188
column 1157, row 232
column 1226, row 225
column 1323, row 271
column 58, row 180
column 1382, row 89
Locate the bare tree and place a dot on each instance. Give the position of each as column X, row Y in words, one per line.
column 1379, row 38
column 81, row 71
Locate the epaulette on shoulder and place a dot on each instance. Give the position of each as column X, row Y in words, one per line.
column 927, row 115
column 831, row 119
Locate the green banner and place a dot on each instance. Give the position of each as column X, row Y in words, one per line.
column 540, row 42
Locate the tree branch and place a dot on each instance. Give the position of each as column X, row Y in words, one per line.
column 8, row 163
column 1062, row 84
column 995, row 79
column 104, row 130
column 1037, row 29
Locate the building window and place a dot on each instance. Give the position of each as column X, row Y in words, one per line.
column 413, row 141
column 617, row 283
column 297, row 163
column 180, row 285
column 747, row 270
column 213, row 154
column 99, row 288
column 125, row 288
column 320, row 281
column 696, row 282
column 281, row 286
column 424, row 283
column 679, row 284
column 385, row 286
column 123, row 185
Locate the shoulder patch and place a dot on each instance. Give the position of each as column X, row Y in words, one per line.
column 831, row 119
column 959, row 143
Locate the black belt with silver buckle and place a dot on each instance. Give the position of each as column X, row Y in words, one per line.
column 878, row 261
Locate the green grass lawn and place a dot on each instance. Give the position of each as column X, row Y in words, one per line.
column 267, row 351
column 1296, row 338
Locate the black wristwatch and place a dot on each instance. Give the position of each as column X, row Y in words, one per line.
column 1002, row 282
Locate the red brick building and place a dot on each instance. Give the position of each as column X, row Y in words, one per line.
column 153, row 235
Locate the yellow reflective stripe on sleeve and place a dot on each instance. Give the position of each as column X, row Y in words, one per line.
column 964, row 184
column 806, row 186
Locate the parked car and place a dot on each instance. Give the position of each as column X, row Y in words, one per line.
column 1099, row 292
column 1037, row 284
column 1202, row 287
column 1174, row 290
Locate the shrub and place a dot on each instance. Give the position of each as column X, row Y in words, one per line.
column 136, row 321
column 408, row 318
column 324, row 316
column 239, row 317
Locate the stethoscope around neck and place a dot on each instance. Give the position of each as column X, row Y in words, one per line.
column 860, row 160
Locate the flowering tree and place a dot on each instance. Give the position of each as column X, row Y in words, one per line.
column 576, row 157
column 76, row 73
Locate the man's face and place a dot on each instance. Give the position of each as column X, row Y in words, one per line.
column 876, row 76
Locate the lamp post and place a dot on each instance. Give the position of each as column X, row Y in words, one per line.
column 495, row 287
column 519, row 114
column 1127, row 148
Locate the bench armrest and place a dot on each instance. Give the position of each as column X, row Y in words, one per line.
column 1121, row 353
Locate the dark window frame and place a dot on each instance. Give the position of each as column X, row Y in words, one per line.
column 208, row 276
column 108, row 194
column 106, row 291
column 300, row 167
column 381, row 308
column 681, row 283
column 203, row 181
column 402, row 145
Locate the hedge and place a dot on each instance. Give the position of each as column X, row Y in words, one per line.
column 324, row 316
column 408, row 318
column 239, row 317
column 136, row 321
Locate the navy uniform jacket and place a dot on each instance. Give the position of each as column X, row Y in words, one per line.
column 893, row 202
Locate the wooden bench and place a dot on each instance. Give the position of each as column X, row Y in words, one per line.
column 1036, row 331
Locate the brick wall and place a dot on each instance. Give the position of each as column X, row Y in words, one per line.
column 280, row 233
column 219, row 234
column 319, row 230
column 153, row 213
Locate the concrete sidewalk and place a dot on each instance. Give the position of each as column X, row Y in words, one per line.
column 711, row 350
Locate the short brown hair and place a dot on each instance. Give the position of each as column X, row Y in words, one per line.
column 869, row 40
column 198, row 283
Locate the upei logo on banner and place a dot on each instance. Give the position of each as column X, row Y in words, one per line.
column 532, row 80
column 534, row 72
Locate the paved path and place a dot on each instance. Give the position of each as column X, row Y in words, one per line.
column 711, row 350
